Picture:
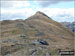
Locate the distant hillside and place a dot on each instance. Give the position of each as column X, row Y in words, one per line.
column 71, row 26
column 38, row 35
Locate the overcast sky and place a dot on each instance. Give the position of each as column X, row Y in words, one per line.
column 59, row 10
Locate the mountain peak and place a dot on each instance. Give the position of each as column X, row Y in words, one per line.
column 41, row 13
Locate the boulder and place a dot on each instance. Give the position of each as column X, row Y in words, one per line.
column 42, row 41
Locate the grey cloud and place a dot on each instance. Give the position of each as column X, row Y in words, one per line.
column 6, row 4
column 8, row 16
column 45, row 3
column 64, row 15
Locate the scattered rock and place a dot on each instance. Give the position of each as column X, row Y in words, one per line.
column 33, row 52
column 31, row 26
column 23, row 36
column 42, row 41
column 9, row 41
column 35, row 43
column 48, row 54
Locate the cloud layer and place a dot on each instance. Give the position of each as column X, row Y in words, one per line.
column 54, row 13
column 22, row 10
column 16, row 14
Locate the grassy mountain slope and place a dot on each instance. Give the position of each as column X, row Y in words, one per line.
column 38, row 26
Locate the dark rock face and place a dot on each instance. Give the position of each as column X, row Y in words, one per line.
column 69, row 25
column 43, row 42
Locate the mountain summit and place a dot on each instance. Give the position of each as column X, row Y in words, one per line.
column 41, row 16
column 41, row 13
